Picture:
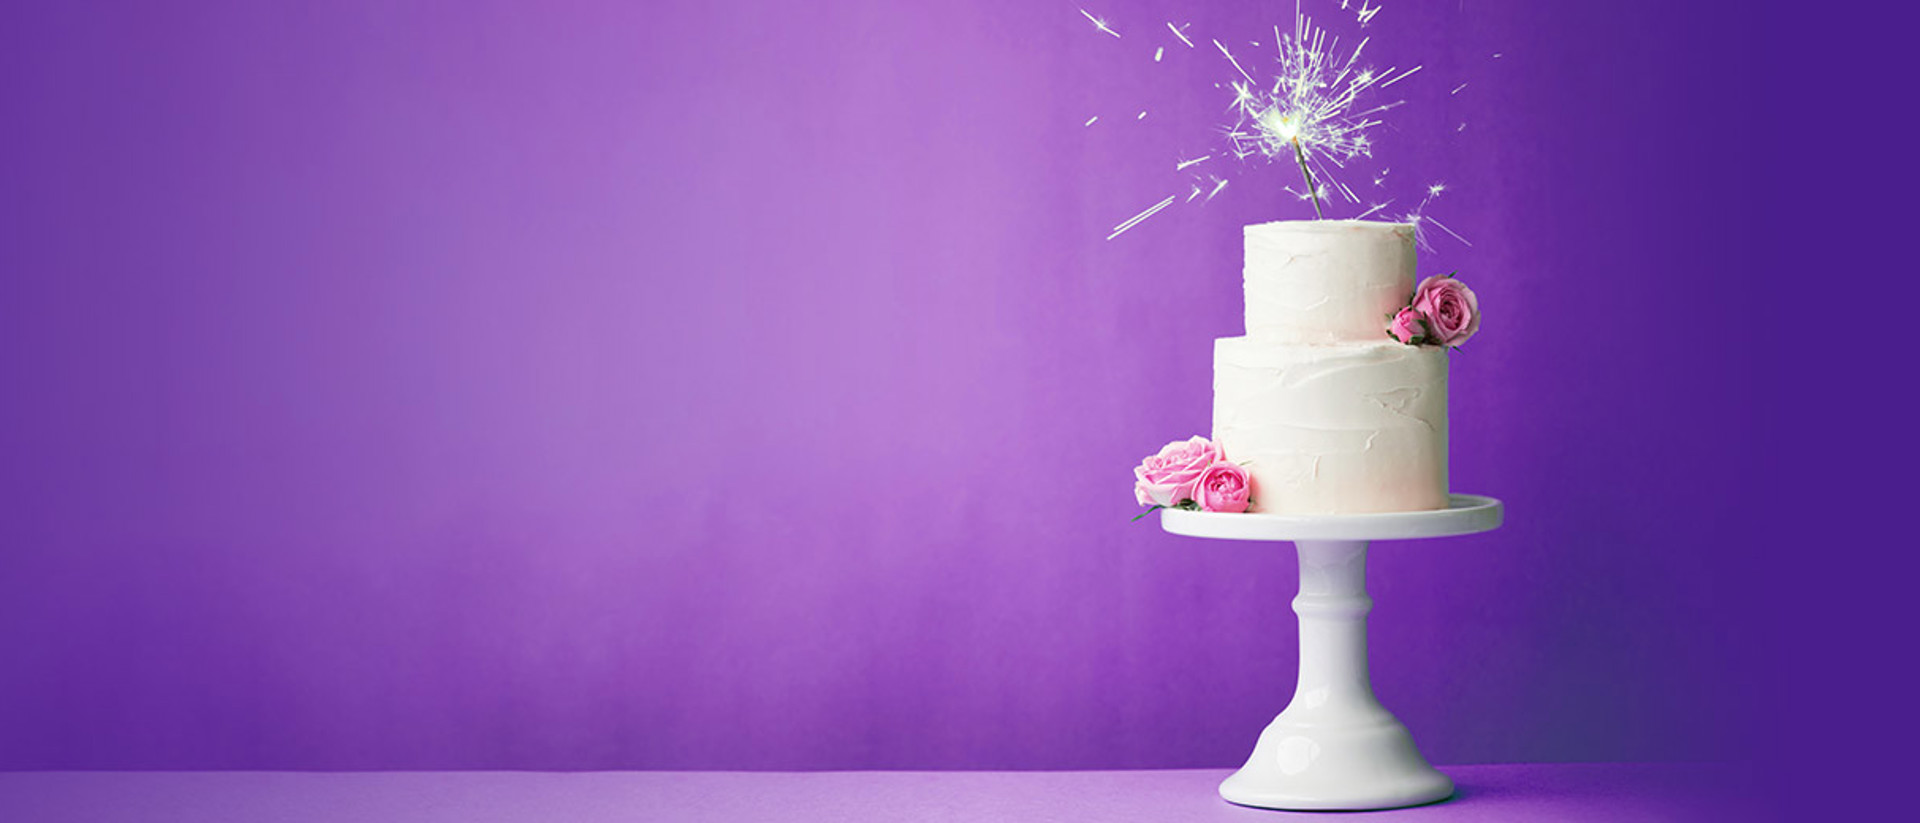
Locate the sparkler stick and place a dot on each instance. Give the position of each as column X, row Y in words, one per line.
column 1313, row 191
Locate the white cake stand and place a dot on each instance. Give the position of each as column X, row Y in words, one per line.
column 1335, row 746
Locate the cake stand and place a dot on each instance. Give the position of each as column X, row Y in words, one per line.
column 1335, row 746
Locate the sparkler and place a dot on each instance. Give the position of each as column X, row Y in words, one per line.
column 1311, row 103
column 1135, row 220
column 1310, row 112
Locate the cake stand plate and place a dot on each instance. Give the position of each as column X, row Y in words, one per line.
column 1335, row 746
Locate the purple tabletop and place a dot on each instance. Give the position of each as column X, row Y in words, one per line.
column 1535, row 792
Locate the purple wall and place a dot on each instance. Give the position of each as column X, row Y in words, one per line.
column 691, row 385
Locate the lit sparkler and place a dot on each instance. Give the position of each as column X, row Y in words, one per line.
column 1313, row 106
column 1311, row 111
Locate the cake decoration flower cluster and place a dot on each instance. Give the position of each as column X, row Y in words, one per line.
column 1443, row 312
column 1193, row 474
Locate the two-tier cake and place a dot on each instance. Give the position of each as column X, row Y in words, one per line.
column 1325, row 411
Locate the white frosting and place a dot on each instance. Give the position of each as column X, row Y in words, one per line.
column 1326, row 281
column 1334, row 429
column 1328, row 414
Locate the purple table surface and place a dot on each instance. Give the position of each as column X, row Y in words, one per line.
column 1533, row 792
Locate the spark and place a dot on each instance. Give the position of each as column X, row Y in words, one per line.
column 1408, row 74
column 1176, row 33
column 1434, row 190
column 1376, row 207
column 1364, row 15
column 1135, row 220
column 1443, row 227
column 1157, row 53
column 1417, row 221
column 1182, row 166
column 1419, row 218
column 1310, row 194
column 1218, row 184
column 1236, row 63
column 1100, row 24
column 1143, row 116
column 1090, row 120
column 1456, row 89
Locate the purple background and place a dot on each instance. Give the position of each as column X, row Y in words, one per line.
column 748, row 385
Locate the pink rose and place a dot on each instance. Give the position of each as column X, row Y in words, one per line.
column 1224, row 488
column 1171, row 476
column 1452, row 312
column 1408, row 326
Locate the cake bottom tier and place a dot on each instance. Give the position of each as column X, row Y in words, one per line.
column 1341, row 428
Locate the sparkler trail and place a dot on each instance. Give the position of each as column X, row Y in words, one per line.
column 1236, row 66
column 1419, row 218
column 1135, row 220
column 1376, row 207
column 1183, row 38
column 1218, row 184
column 1401, row 77
column 1100, row 24
column 1451, row 232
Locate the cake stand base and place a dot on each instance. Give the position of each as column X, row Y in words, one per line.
column 1335, row 747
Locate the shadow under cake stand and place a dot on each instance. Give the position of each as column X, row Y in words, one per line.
column 1335, row 746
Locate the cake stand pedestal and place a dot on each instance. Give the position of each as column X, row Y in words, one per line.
column 1335, row 746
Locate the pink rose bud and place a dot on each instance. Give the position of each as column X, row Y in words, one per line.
column 1225, row 488
column 1451, row 309
column 1408, row 326
column 1171, row 476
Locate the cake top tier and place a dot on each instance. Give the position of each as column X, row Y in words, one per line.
column 1326, row 281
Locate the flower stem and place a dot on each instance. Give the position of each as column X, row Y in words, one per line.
column 1313, row 190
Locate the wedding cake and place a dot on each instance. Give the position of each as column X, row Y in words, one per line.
column 1325, row 411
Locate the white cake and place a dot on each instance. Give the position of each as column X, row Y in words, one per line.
column 1327, row 413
